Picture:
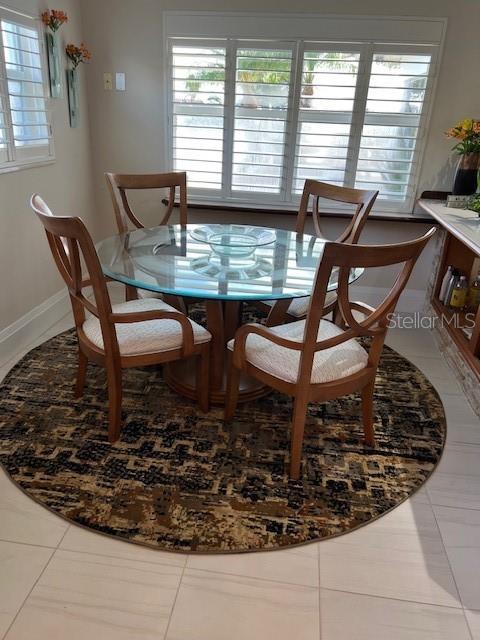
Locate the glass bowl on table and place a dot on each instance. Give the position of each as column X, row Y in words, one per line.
column 233, row 240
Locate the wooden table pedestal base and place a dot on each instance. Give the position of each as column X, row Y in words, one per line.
column 223, row 319
column 180, row 376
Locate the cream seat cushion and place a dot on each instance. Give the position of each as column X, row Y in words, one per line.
column 331, row 364
column 299, row 306
column 151, row 336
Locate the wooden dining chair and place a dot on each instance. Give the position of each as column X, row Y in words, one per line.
column 314, row 360
column 313, row 192
column 131, row 334
column 119, row 184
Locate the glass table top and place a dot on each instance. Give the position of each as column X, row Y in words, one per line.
column 241, row 262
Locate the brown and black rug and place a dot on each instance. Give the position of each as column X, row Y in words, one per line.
column 180, row 480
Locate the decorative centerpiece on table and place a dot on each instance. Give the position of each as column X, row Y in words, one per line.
column 53, row 20
column 76, row 55
column 467, row 132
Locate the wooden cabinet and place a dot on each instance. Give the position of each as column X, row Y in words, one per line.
column 461, row 250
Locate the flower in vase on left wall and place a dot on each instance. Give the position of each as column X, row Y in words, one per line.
column 76, row 55
column 53, row 20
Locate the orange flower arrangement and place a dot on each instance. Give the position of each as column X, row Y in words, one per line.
column 54, row 19
column 78, row 54
column 468, row 132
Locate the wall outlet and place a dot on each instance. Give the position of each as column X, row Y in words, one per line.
column 107, row 81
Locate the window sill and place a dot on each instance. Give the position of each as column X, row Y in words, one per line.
column 26, row 165
column 385, row 216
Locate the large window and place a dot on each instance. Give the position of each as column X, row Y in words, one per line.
column 25, row 133
column 250, row 120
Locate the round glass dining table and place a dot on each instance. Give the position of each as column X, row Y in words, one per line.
column 225, row 265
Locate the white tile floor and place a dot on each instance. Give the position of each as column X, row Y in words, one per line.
column 412, row 575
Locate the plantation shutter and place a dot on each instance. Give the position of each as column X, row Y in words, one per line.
column 262, row 99
column 251, row 120
column 26, row 132
column 326, row 104
column 198, row 79
column 4, row 137
column 389, row 142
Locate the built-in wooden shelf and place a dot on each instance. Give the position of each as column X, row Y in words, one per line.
column 467, row 342
column 462, row 251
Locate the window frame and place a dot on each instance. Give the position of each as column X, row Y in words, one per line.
column 410, row 41
column 14, row 163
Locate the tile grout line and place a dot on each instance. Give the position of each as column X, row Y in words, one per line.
column 448, row 506
column 374, row 595
column 245, row 577
column 469, row 628
column 167, row 628
column 451, row 568
column 119, row 557
column 29, row 544
column 54, row 551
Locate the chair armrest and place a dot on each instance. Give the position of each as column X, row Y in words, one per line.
column 188, row 341
column 253, row 327
column 362, row 307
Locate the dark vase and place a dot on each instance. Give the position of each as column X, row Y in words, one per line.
column 465, row 182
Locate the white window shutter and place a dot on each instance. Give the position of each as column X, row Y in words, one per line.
column 197, row 113
column 26, row 132
column 389, row 142
column 326, row 103
column 250, row 121
column 263, row 85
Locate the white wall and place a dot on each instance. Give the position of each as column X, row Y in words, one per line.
column 28, row 274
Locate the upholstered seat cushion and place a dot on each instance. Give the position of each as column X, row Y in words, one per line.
column 151, row 336
column 331, row 364
column 299, row 306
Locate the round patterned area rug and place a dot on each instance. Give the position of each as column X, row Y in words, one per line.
column 180, row 480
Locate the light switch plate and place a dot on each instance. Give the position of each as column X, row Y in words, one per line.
column 107, row 81
column 120, row 81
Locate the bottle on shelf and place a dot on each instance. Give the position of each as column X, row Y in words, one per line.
column 452, row 282
column 473, row 299
column 445, row 283
column 458, row 298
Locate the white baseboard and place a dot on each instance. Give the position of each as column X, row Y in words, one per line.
column 24, row 331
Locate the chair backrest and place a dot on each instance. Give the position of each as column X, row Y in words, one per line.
column 119, row 183
column 344, row 257
column 70, row 243
column 39, row 205
column 316, row 190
